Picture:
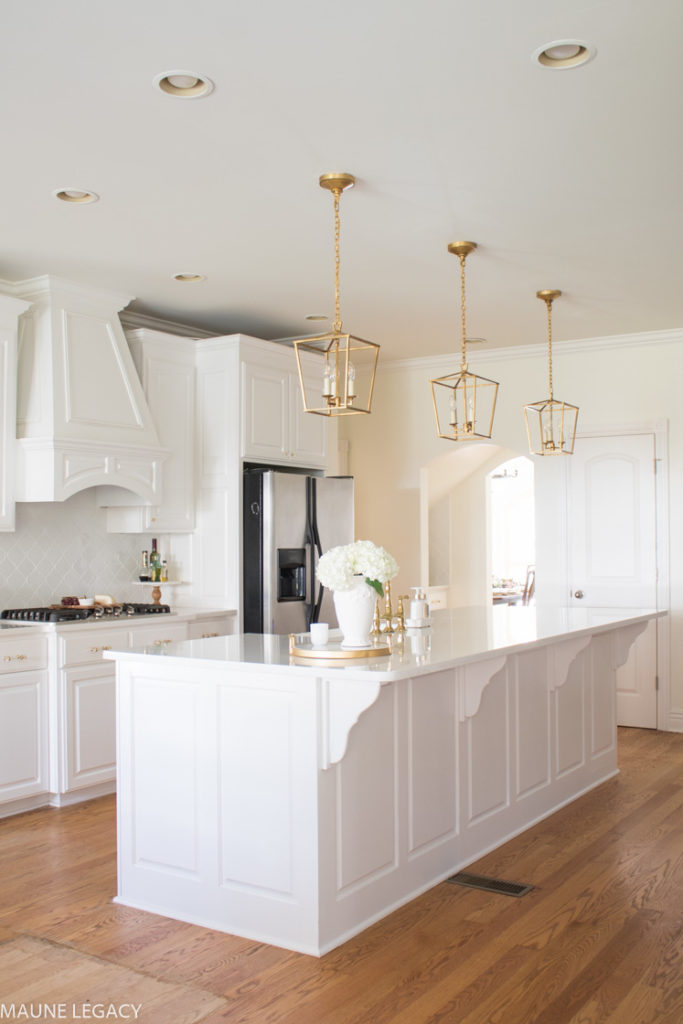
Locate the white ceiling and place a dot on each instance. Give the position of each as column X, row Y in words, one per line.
column 567, row 179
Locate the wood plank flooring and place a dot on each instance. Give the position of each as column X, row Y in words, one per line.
column 598, row 941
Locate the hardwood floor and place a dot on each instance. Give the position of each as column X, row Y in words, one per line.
column 600, row 938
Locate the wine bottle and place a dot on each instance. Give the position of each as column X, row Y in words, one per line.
column 155, row 562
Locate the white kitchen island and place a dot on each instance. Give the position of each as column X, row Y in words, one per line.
column 295, row 804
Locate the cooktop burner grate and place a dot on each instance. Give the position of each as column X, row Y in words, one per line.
column 74, row 613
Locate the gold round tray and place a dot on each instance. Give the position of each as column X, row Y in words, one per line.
column 334, row 651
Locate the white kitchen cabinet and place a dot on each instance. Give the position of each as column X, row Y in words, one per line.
column 24, row 727
column 58, row 702
column 248, row 410
column 165, row 364
column 10, row 310
column 275, row 429
column 90, row 726
column 86, row 707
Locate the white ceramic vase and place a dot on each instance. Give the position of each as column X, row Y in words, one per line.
column 355, row 609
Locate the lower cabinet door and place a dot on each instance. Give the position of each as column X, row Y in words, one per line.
column 23, row 735
column 90, row 747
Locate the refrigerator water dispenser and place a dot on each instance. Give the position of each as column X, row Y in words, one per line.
column 291, row 574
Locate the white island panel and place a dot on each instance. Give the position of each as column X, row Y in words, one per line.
column 256, row 739
column 296, row 805
column 531, row 709
column 432, row 761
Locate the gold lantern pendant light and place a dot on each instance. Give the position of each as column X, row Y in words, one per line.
column 337, row 369
column 464, row 403
column 551, row 424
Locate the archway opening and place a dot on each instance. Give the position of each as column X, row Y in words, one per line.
column 512, row 532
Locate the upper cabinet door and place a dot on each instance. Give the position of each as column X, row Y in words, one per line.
column 8, row 370
column 265, row 412
column 309, row 432
column 10, row 310
column 170, row 388
column 275, row 429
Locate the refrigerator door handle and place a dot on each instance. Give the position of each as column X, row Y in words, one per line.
column 308, row 598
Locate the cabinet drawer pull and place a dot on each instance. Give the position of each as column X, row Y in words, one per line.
column 107, row 647
column 94, row 650
column 169, row 641
column 205, row 636
column 15, row 657
column 7, row 657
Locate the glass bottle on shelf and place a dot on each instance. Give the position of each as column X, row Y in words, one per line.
column 144, row 573
column 164, row 571
column 155, row 563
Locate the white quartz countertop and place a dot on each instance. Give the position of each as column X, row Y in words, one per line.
column 457, row 636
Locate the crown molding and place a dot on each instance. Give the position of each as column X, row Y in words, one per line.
column 131, row 320
column 436, row 364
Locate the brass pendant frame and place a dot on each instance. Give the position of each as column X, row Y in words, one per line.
column 551, row 427
column 341, row 353
column 551, row 423
column 471, row 405
column 464, row 403
column 341, row 380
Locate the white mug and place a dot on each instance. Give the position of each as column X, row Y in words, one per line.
column 319, row 631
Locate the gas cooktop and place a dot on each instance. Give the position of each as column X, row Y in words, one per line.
column 71, row 613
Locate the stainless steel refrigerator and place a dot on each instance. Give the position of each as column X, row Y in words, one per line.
column 289, row 521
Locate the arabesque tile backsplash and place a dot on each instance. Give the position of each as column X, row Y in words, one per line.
column 63, row 548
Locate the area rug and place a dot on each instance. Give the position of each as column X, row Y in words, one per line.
column 43, row 981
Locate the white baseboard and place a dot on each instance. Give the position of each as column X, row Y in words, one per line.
column 674, row 722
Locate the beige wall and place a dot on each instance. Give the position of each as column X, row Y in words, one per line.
column 632, row 381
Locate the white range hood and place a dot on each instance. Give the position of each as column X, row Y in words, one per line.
column 82, row 418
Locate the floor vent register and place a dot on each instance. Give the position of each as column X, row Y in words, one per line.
column 490, row 884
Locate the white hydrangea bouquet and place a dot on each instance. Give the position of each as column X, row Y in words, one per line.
column 340, row 567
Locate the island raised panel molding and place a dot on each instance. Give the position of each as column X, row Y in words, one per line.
column 316, row 801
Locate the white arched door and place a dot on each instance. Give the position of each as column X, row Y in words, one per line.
column 612, row 532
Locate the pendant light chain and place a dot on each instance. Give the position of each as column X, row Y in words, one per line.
column 337, row 230
column 336, row 368
column 549, row 307
column 463, row 257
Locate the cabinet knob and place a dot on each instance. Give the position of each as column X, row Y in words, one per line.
column 7, row 657
column 578, row 593
column 21, row 657
column 107, row 647
column 94, row 650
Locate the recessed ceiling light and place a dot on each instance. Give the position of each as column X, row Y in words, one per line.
column 75, row 195
column 316, row 316
column 189, row 278
column 563, row 53
column 186, row 85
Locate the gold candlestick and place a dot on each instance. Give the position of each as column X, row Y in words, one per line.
column 375, row 633
column 388, row 614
